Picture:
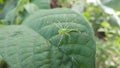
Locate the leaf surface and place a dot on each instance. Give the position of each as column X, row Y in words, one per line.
column 77, row 43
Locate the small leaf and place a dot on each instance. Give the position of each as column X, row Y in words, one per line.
column 42, row 4
column 105, row 24
column 30, row 8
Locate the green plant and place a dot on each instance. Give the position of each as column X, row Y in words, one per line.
column 57, row 38
column 22, row 47
column 68, row 31
column 107, row 29
column 42, row 4
column 16, row 11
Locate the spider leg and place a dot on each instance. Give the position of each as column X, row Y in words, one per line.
column 66, row 26
column 58, row 25
column 60, row 40
column 69, row 38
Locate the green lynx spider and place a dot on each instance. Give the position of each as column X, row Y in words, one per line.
column 64, row 30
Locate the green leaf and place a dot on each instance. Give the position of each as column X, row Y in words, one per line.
column 22, row 47
column 42, row 4
column 76, row 42
column 30, row 8
column 8, row 7
column 9, row 18
column 105, row 24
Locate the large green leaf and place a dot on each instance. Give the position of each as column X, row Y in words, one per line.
column 69, row 32
column 22, row 47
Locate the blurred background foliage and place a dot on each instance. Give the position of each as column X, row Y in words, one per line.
column 104, row 16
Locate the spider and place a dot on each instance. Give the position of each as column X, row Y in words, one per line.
column 63, row 29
